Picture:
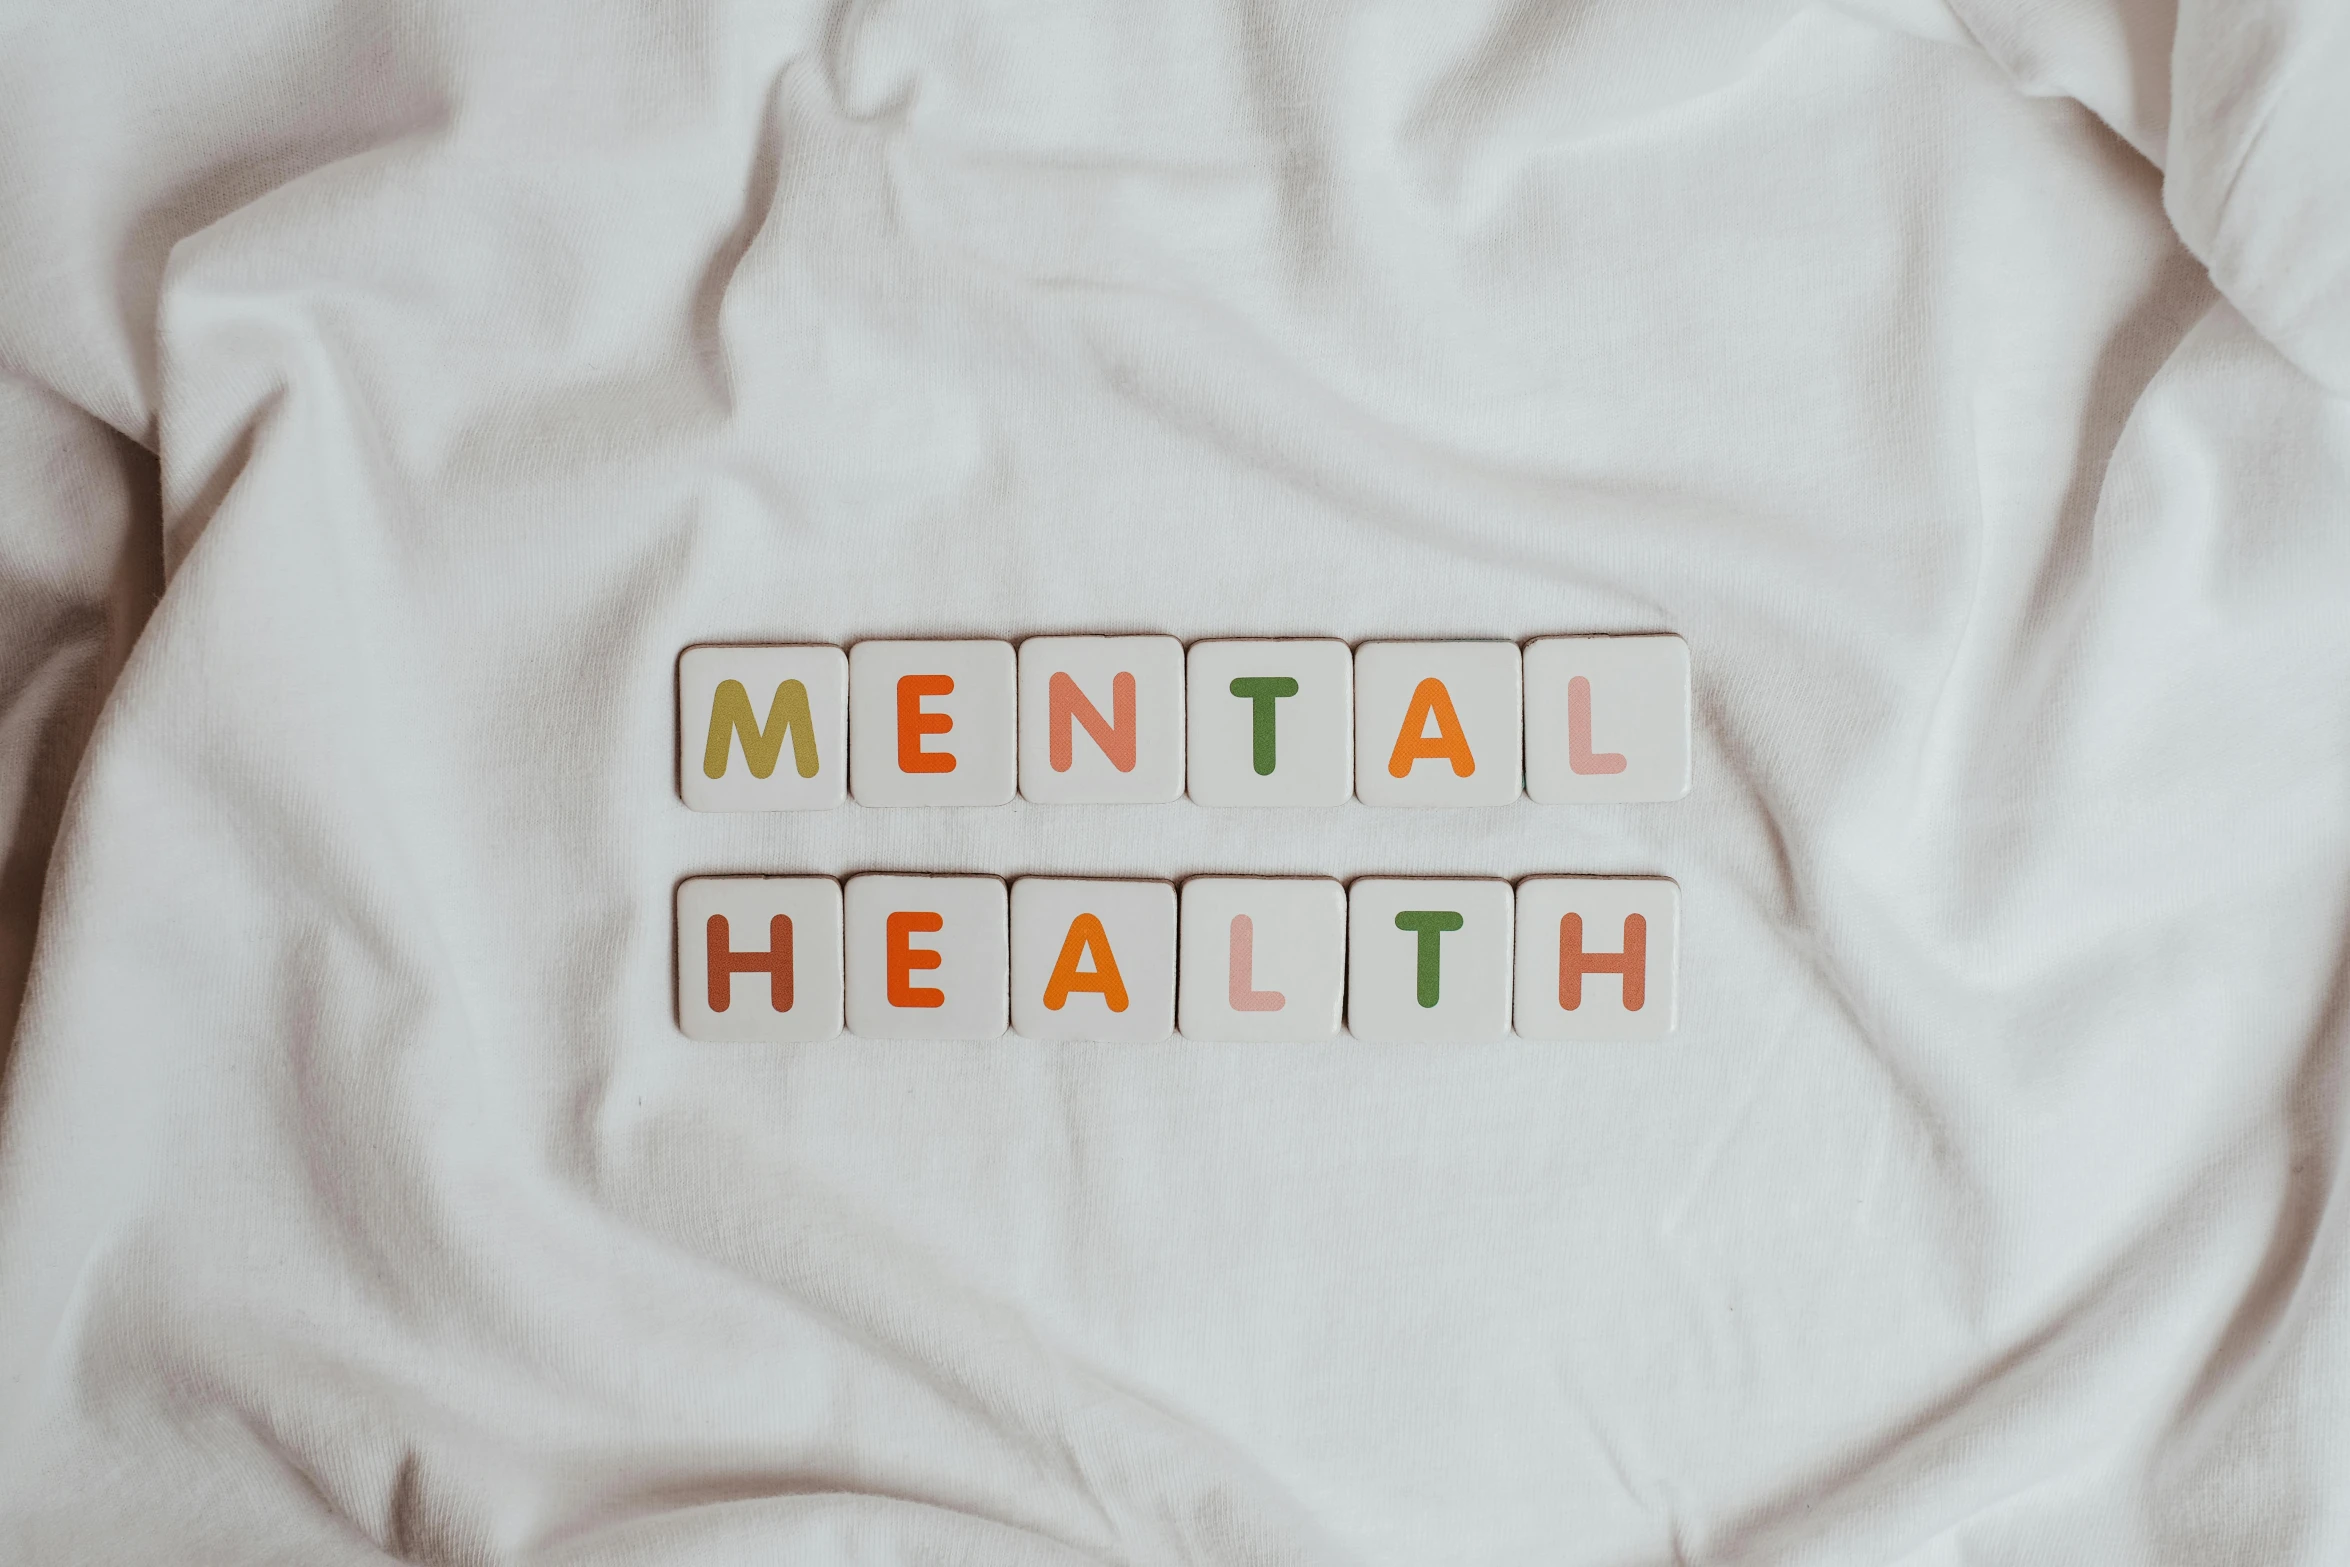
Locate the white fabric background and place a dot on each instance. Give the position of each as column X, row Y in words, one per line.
column 1971, row 389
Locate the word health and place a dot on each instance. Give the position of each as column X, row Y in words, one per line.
column 1138, row 719
column 1240, row 959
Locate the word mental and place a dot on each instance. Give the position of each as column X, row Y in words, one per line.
column 1241, row 959
column 1139, row 719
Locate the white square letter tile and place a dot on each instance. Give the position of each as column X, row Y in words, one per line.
column 932, row 723
column 762, row 728
column 1101, row 720
column 1272, row 722
column 1607, row 718
column 1436, row 723
column 758, row 958
column 1598, row 956
column 1264, row 958
column 1093, row 959
column 1428, row 961
column 926, row 957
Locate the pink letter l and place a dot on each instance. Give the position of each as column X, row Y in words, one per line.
column 1244, row 971
column 1580, row 756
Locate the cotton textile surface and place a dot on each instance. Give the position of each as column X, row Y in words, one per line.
column 1970, row 387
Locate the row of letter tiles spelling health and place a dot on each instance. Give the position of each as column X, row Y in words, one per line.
column 1405, row 960
column 1102, row 720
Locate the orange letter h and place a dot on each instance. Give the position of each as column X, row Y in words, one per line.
column 1631, row 963
column 775, row 963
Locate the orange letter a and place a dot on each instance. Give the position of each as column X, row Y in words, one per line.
column 1085, row 935
column 1413, row 743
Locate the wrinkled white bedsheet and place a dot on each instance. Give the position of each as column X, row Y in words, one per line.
column 1971, row 387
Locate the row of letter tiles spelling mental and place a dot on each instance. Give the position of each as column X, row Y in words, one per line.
column 770, row 959
column 1103, row 720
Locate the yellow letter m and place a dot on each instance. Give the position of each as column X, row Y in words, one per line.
column 731, row 715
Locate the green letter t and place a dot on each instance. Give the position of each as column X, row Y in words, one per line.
column 1261, row 692
column 1431, row 925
